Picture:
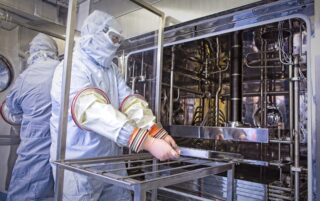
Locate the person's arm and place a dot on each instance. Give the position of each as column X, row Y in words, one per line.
column 13, row 100
column 137, row 109
column 91, row 110
column 8, row 116
column 140, row 113
column 11, row 110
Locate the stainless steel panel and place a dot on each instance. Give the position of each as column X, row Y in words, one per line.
column 208, row 154
column 215, row 188
column 218, row 24
column 220, row 133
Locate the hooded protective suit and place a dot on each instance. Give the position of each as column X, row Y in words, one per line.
column 30, row 97
column 96, row 127
column 92, row 67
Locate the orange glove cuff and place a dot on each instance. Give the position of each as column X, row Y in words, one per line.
column 157, row 132
column 137, row 139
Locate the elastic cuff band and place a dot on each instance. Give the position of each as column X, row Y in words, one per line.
column 161, row 134
column 137, row 139
column 157, row 132
column 154, row 130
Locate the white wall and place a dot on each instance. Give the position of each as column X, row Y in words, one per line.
column 142, row 21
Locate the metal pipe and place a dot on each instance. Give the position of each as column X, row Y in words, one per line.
column 171, row 84
column 159, row 52
column 184, row 89
column 133, row 68
column 261, row 82
column 291, row 113
column 291, row 105
column 143, row 75
column 277, row 197
column 296, row 130
column 269, row 93
column 154, row 193
column 134, row 80
column 280, row 188
column 142, row 64
column 230, row 186
column 265, row 84
column 216, row 100
column 217, row 108
column 65, row 90
column 280, row 28
column 236, row 77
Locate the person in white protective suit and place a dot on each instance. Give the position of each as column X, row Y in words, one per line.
column 96, row 127
column 29, row 105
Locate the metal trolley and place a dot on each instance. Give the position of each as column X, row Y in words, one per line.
column 155, row 174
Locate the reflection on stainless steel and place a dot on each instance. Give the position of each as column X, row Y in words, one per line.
column 215, row 188
column 220, row 133
column 180, row 195
column 274, row 116
column 208, row 154
column 254, row 162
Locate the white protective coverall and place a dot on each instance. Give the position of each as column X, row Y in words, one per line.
column 29, row 105
column 96, row 127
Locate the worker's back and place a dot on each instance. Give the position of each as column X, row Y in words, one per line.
column 33, row 88
column 30, row 96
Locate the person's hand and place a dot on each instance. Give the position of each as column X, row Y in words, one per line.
column 172, row 143
column 242, row 137
column 219, row 137
column 160, row 149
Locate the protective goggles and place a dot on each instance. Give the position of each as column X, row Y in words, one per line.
column 113, row 35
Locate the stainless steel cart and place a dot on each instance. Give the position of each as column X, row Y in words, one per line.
column 155, row 174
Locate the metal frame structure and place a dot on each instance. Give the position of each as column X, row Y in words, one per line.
column 239, row 20
column 65, row 90
column 179, row 173
column 159, row 52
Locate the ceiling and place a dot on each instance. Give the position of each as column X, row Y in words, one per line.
column 117, row 8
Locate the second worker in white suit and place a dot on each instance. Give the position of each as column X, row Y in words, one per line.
column 96, row 127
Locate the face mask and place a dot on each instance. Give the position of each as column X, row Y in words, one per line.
column 102, row 47
column 113, row 36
